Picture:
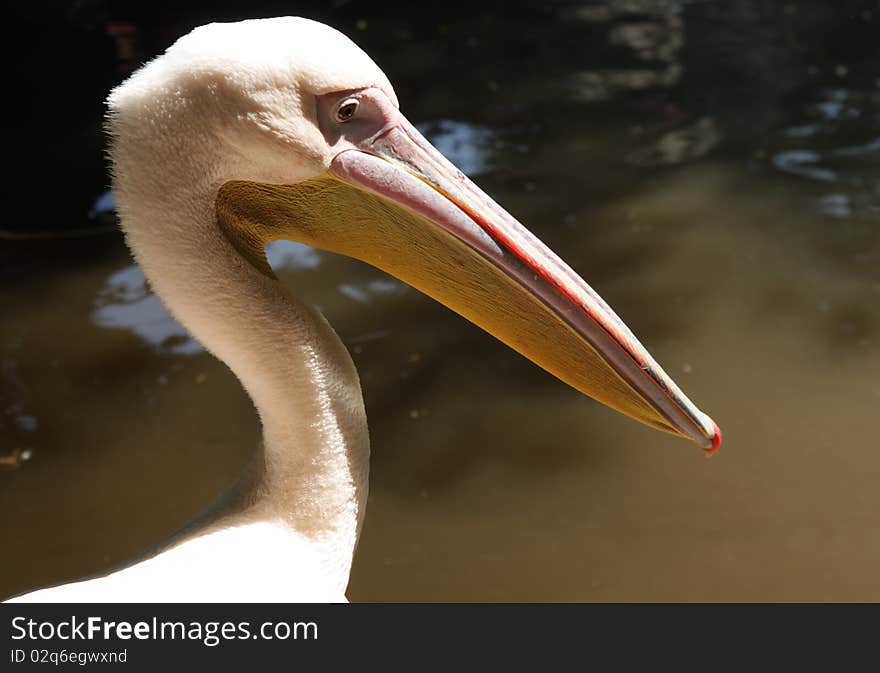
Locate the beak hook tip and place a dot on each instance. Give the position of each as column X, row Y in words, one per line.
column 716, row 440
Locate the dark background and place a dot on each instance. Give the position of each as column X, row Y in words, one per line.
column 65, row 56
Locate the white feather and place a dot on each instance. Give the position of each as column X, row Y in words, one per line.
column 235, row 101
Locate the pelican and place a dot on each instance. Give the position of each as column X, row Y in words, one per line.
column 245, row 133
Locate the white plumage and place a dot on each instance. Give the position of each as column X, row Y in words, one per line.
column 227, row 103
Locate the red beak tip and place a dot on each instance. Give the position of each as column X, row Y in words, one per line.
column 716, row 441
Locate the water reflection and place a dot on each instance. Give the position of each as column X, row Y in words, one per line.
column 804, row 164
column 126, row 302
column 292, row 256
column 709, row 167
column 650, row 31
column 105, row 205
column 468, row 146
column 688, row 143
column 840, row 133
column 835, row 205
column 377, row 286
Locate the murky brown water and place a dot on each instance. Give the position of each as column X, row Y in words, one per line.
column 710, row 168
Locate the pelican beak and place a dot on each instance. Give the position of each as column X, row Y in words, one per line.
column 395, row 202
column 402, row 166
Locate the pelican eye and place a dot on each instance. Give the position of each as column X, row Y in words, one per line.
column 346, row 110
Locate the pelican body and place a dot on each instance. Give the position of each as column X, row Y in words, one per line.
column 249, row 132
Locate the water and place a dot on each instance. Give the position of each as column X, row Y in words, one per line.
column 710, row 168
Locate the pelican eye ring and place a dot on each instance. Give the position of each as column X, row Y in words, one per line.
column 346, row 110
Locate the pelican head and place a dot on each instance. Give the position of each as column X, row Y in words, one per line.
column 297, row 134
